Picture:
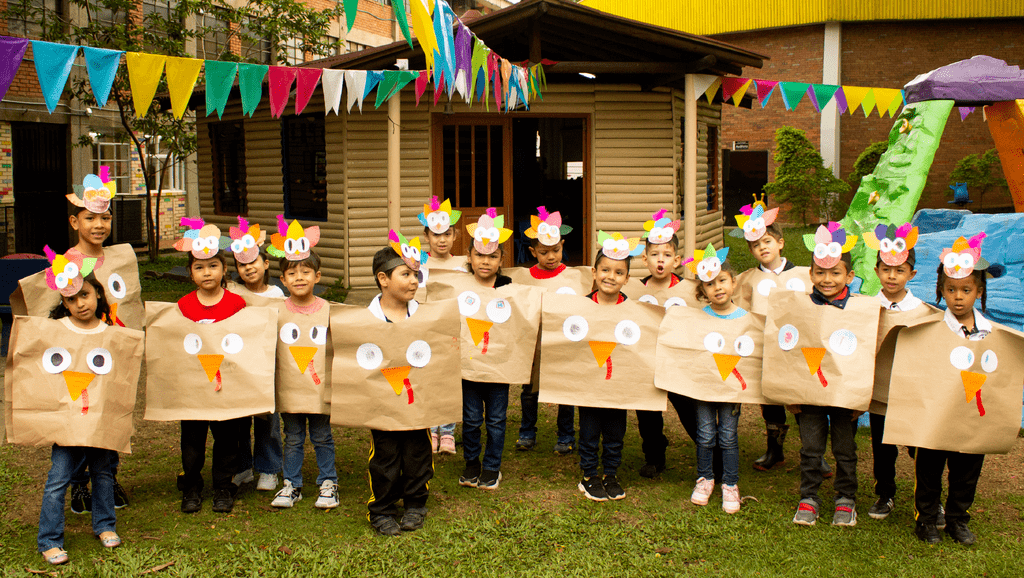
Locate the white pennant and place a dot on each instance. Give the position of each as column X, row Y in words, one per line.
column 702, row 82
column 332, row 82
column 524, row 84
column 460, row 85
column 355, row 82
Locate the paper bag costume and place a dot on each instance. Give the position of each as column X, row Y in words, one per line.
column 754, row 286
column 572, row 281
column 209, row 371
column 950, row 393
column 889, row 325
column 682, row 293
column 499, row 326
column 396, row 376
column 303, row 377
column 68, row 388
column 599, row 355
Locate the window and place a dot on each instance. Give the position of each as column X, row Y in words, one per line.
column 110, row 152
column 161, row 13
column 30, row 18
column 227, row 140
column 174, row 178
column 106, row 16
column 355, row 46
column 712, row 178
column 216, row 41
column 473, row 166
column 304, row 166
column 293, row 53
column 255, row 48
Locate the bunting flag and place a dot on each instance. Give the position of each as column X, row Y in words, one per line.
column 854, row 96
column 821, row 94
column 101, row 64
column 464, row 61
column 421, row 85
column 281, row 79
column 732, row 86
column 182, row 74
column 438, row 88
column 398, row 6
column 220, row 77
column 12, row 51
column 53, row 65
column 250, row 83
column 351, row 7
column 841, row 100
column 373, row 78
column 332, row 81
column 868, row 103
column 423, row 26
column 712, row 90
column 793, row 93
column 765, row 88
column 494, row 71
column 393, row 81
column 964, row 111
column 308, row 78
column 885, row 97
column 478, row 62
column 355, row 81
column 702, row 82
column 445, row 51
column 144, row 71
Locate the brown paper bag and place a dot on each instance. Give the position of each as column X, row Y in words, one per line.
column 499, row 326
column 819, row 354
column 209, row 371
column 572, row 281
column 396, row 376
column 303, row 375
column 754, row 286
column 889, row 325
column 251, row 299
column 61, row 395
column 682, row 293
column 599, row 355
column 949, row 393
column 711, row 359
column 437, row 266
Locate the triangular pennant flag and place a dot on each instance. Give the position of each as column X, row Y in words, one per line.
column 351, row 8
column 702, row 82
column 712, row 90
column 423, row 26
column 793, row 93
column 398, row 6
column 765, row 88
column 102, row 67
column 394, row 81
column 478, row 63
column 281, row 79
column 494, row 70
column 731, row 85
column 822, row 94
column 220, row 77
column 144, row 76
column 373, row 78
column 250, row 82
column 443, row 21
column 840, row 97
column 308, row 78
column 896, row 104
column 964, row 111
column 332, row 81
column 884, row 97
column 464, row 61
column 438, row 87
column 12, row 51
column 869, row 102
column 854, row 96
column 53, row 65
column 506, row 73
column 355, row 81
column 737, row 96
column 421, row 85
column 182, row 74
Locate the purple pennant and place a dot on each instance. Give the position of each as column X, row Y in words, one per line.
column 12, row 50
column 464, row 55
column 841, row 104
column 964, row 111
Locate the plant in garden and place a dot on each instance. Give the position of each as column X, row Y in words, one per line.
column 801, row 179
column 982, row 173
column 866, row 162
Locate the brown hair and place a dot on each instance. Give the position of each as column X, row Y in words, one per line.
column 220, row 257
column 726, row 268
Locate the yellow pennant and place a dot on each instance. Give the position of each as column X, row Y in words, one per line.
column 885, row 97
column 182, row 74
column 713, row 89
column 738, row 95
column 423, row 26
column 854, row 96
column 144, row 72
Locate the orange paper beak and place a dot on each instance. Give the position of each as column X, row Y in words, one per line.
column 972, row 383
column 396, row 376
column 813, row 355
column 302, row 356
column 77, row 382
column 211, row 364
column 602, row 351
column 477, row 328
column 725, row 363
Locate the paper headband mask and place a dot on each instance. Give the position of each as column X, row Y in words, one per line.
column 439, row 217
column 707, row 264
column 660, row 229
column 410, row 251
column 547, row 227
column 755, row 220
column 829, row 243
column 964, row 257
column 488, row 232
column 892, row 243
column 292, row 241
column 65, row 275
column 615, row 246
column 201, row 239
column 95, row 192
column 246, row 240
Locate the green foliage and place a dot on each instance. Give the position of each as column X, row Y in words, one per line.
column 866, row 162
column 982, row 173
column 337, row 292
column 802, row 181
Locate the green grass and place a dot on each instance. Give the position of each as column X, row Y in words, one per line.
column 154, row 289
column 794, row 249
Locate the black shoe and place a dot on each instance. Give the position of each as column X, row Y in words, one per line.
column 120, row 496
column 564, row 449
column 613, row 488
column 651, row 470
column 489, row 480
column 525, row 444
column 470, row 477
column 385, row 526
column 773, row 455
column 412, row 520
column 81, row 499
column 881, row 509
column 223, row 501
column 191, row 501
column 928, row 533
column 960, row 533
column 593, row 488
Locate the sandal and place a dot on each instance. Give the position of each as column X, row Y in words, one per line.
column 109, row 539
column 57, row 557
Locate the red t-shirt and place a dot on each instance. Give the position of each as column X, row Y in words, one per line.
column 228, row 305
column 539, row 273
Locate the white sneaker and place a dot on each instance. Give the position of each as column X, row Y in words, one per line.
column 702, row 491
column 243, row 477
column 267, row 482
column 287, row 496
column 328, row 495
column 730, row 499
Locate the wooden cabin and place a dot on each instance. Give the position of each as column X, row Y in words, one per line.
column 605, row 145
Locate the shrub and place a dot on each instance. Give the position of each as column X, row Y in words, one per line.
column 982, row 173
column 866, row 162
column 801, row 179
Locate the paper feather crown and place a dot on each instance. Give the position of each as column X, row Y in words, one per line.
column 829, row 243
column 95, row 192
column 439, row 217
column 292, row 241
column 488, row 232
column 547, row 227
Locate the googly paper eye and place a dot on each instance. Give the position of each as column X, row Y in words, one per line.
column 961, row 357
column 56, row 359
column 61, row 280
column 198, row 244
column 899, row 245
column 543, row 229
column 575, row 328
column 100, row 361
column 418, row 353
column 318, row 334
column 469, row 303
column 232, row 343
column 369, row 356
column 703, row 269
column 565, row 291
column 885, row 245
column 758, row 223
column 290, row 333
column 744, row 345
column 820, row 251
column 213, row 243
column 989, row 361
column 411, row 252
column 965, row 260
column 766, row 285
column 499, row 310
column 648, row 299
column 303, row 244
column 289, row 246
column 193, row 343
column 949, row 261
column 488, row 234
column 116, row 286
column 237, row 246
column 835, row 249
column 71, row 270
column 748, row 226
column 788, row 337
column 714, row 342
column 796, row 285
column 248, row 242
column 675, row 302
column 627, row 332
column 843, row 342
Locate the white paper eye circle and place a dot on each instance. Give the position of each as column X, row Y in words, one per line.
column 627, row 332
column 434, row 220
column 198, row 244
column 748, row 226
column 489, row 234
column 410, row 252
column 961, row 358
column 758, row 224
column 796, row 285
column 100, row 361
column 965, row 260
column 418, row 353
column 499, row 310
column 835, row 249
column 789, row 336
column 212, row 243
column 237, row 246
column 543, row 229
column 318, row 334
column 766, row 285
column 193, row 343
column 56, row 359
column 821, row 250
column 71, row 270
column 289, row 246
column 648, row 299
column 575, row 328
column 443, row 220
column 675, row 302
column 714, row 342
column 565, row 291
column 369, row 356
column 885, row 245
column 744, row 345
column 61, row 280
column 290, row 333
column 949, row 261
column 469, row 303
column 703, row 268
column 232, row 343
column 843, row 342
column 116, row 286
column 248, row 242
column 899, row 245
column 989, row 361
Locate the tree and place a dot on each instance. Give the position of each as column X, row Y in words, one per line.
column 982, row 172
column 866, row 162
column 801, row 179
column 124, row 25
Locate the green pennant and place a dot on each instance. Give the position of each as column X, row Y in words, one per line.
column 402, row 18
column 478, row 61
column 393, row 81
column 792, row 93
column 250, row 82
column 824, row 93
column 220, row 77
column 351, row 6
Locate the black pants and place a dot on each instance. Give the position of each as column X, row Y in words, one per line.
column 601, row 427
column 964, row 471
column 401, row 464
column 817, row 423
column 773, row 414
column 651, row 425
column 226, row 438
column 884, row 458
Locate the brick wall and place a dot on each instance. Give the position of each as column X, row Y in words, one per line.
column 374, row 17
column 172, row 209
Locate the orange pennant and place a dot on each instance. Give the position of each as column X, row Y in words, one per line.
column 77, row 382
column 726, row 363
column 302, row 356
column 972, row 383
column 813, row 355
column 602, row 351
column 477, row 328
column 396, row 376
column 211, row 364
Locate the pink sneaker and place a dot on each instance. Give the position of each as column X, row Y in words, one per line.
column 730, row 499
column 447, row 445
column 433, row 442
column 702, row 491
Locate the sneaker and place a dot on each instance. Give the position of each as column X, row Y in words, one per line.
column 120, row 496
column 287, row 496
column 881, row 509
column 243, row 477
column 489, row 480
column 81, row 499
column 806, row 513
column 412, row 520
column 191, row 501
column 960, row 533
column 928, row 533
column 447, row 444
column 593, row 488
column 223, row 501
column 470, row 477
column 613, row 488
column 702, row 491
column 328, row 495
column 730, row 499
column 846, row 513
column 651, row 470
column 563, row 449
column 385, row 525
column 433, row 442
column 525, row 444
column 267, row 482
column 940, row 522
column 826, row 470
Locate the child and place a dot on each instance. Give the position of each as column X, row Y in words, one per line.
column 400, row 461
column 484, row 401
column 209, row 303
column 717, row 422
column 545, row 234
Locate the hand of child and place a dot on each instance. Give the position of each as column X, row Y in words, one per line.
column 793, row 409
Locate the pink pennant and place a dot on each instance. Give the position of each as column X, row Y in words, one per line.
column 438, row 87
column 764, row 90
column 965, row 111
column 308, row 78
column 281, row 79
column 421, row 85
column 730, row 85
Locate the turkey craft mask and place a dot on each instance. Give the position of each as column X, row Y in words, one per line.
column 488, row 232
column 615, row 246
column 892, row 243
column 829, row 243
column 95, row 192
column 293, row 242
column 246, row 240
column 66, row 276
column 546, row 227
column 303, row 376
column 707, row 264
column 964, row 257
column 660, row 229
column 755, row 220
column 439, row 217
column 202, row 240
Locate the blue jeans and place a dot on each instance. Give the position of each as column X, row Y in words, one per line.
column 528, row 426
column 81, row 477
column 66, row 461
column 478, row 400
column 597, row 425
column 447, row 429
column 265, row 454
column 323, row 445
column 716, row 425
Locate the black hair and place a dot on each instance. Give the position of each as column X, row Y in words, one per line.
column 102, row 308
column 313, row 262
column 454, row 231
column 535, row 242
column 980, row 278
column 469, row 265
column 74, row 210
column 843, row 258
column 673, row 240
column 266, row 272
column 726, row 268
column 380, row 259
column 911, row 259
column 218, row 256
column 601, row 255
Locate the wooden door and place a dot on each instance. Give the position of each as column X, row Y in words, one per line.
column 40, row 162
